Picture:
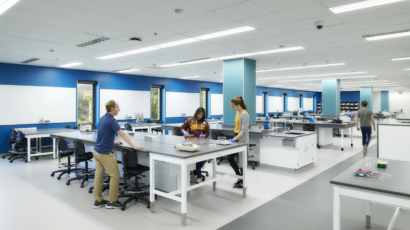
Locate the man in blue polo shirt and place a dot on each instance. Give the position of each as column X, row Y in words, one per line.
column 105, row 159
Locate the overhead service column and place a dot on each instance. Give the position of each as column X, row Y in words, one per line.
column 366, row 94
column 239, row 80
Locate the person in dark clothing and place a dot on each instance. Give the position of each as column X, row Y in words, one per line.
column 199, row 127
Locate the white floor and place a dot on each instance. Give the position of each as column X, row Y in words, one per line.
column 31, row 198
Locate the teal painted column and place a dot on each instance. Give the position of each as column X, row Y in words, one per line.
column 384, row 100
column 366, row 94
column 331, row 97
column 239, row 80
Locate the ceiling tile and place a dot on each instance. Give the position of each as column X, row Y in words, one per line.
column 332, row 29
column 327, row 20
column 28, row 16
column 279, row 5
column 309, row 41
column 215, row 4
column 48, row 30
column 90, row 17
column 373, row 23
column 65, row 23
column 341, row 37
column 169, row 7
column 179, row 27
column 297, row 36
column 78, row 39
column 47, row 7
column 266, row 40
column 114, row 8
column 12, row 32
column 43, row 37
column 217, row 28
column 305, row 12
column 146, row 4
column 357, row 41
column 208, row 19
column 265, row 20
column 283, row 29
column 77, row 3
column 398, row 7
column 148, row 36
column 242, row 11
column 124, row 25
column 402, row 18
column 106, row 32
column 20, row 25
column 148, row 17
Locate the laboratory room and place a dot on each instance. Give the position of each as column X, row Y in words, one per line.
column 217, row 114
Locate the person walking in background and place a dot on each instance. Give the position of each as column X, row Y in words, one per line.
column 366, row 120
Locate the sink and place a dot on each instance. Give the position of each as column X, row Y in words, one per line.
column 294, row 133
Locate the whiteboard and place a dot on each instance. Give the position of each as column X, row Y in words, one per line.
column 26, row 104
column 178, row 103
column 259, row 104
column 217, row 104
column 293, row 103
column 131, row 102
column 307, row 104
column 392, row 141
column 275, row 104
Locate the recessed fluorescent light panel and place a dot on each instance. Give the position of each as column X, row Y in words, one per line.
column 92, row 42
column 189, row 77
column 361, row 5
column 398, row 34
column 300, row 67
column 235, row 56
column 127, row 70
column 225, row 32
column 407, row 69
column 399, row 59
column 71, row 64
column 5, row 5
column 180, row 42
column 146, row 49
column 30, row 60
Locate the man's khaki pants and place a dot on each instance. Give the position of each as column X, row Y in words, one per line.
column 108, row 163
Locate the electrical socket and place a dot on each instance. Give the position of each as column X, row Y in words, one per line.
column 183, row 114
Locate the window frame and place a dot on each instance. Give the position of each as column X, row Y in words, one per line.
column 159, row 87
column 206, row 101
column 94, row 93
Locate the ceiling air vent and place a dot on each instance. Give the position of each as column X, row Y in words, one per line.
column 199, row 59
column 93, row 42
column 30, row 60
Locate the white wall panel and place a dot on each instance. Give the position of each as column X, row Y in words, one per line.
column 275, row 104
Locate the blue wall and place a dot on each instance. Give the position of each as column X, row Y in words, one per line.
column 350, row 96
column 12, row 74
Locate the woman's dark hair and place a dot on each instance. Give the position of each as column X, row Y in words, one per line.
column 239, row 101
column 194, row 118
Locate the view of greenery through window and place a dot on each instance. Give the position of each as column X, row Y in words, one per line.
column 203, row 99
column 84, row 103
column 155, row 101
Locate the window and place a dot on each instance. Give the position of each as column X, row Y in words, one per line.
column 86, row 102
column 263, row 103
column 204, row 100
column 156, row 103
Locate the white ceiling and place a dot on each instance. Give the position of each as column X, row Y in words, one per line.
column 31, row 28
